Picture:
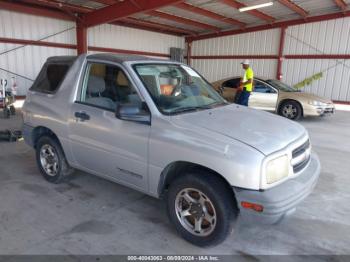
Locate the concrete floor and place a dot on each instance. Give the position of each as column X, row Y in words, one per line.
column 89, row 215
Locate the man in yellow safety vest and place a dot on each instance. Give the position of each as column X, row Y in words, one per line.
column 246, row 83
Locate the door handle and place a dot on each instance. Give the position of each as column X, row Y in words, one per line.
column 82, row 116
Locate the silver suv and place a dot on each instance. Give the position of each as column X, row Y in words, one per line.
column 160, row 128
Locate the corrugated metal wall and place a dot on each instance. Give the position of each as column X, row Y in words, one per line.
column 255, row 43
column 335, row 81
column 327, row 37
column 28, row 60
column 215, row 69
column 112, row 36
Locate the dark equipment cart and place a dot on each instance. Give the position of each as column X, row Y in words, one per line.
column 7, row 100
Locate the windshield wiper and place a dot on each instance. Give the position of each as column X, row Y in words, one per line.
column 197, row 108
column 212, row 105
column 190, row 108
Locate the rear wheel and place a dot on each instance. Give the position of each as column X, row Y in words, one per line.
column 291, row 110
column 6, row 112
column 12, row 110
column 201, row 208
column 51, row 160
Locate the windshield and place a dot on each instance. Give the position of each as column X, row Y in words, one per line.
column 281, row 86
column 177, row 88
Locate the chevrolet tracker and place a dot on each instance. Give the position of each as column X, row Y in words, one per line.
column 160, row 128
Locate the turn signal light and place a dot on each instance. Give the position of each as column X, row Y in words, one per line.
column 255, row 207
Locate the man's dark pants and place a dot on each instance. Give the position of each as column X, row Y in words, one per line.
column 244, row 98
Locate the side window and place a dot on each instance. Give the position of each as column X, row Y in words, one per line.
column 106, row 86
column 260, row 87
column 50, row 77
column 232, row 83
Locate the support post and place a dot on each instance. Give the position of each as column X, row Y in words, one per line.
column 279, row 75
column 189, row 52
column 82, row 46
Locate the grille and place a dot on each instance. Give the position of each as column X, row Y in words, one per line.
column 301, row 157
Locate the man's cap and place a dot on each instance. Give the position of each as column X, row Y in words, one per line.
column 245, row 62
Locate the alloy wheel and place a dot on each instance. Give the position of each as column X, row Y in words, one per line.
column 195, row 211
column 49, row 160
column 289, row 111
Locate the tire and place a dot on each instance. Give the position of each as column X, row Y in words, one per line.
column 12, row 110
column 291, row 110
column 219, row 207
column 6, row 112
column 50, row 153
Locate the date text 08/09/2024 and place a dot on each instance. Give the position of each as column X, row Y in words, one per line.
column 173, row 258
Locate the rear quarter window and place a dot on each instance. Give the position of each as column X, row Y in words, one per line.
column 50, row 77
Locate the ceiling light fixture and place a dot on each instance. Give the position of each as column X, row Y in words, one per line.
column 252, row 7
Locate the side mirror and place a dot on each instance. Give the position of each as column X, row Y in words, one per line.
column 132, row 112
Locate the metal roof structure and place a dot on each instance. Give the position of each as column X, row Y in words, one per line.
column 195, row 19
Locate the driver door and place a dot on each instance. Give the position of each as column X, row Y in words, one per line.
column 101, row 143
column 229, row 89
column 263, row 97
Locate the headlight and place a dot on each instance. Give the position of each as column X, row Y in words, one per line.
column 317, row 103
column 277, row 168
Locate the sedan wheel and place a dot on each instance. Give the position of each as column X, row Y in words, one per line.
column 291, row 110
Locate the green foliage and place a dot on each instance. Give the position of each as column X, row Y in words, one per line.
column 309, row 80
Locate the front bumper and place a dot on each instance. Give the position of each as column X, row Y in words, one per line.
column 280, row 200
column 319, row 110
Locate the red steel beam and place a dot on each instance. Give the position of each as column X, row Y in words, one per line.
column 235, row 57
column 35, row 43
column 69, row 46
column 207, row 13
column 320, row 56
column 341, row 102
column 38, row 11
column 183, row 20
column 82, row 46
column 123, row 9
column 106, row 2
column 147, row 28
column 15, row 7
column 256, row 13
column 158, row 26
column 310, row 19
column 189, row 53
column 123, row 51
column 280, row 53
column 291, row 5
column 341, row 4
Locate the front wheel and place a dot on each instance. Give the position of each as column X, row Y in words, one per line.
column 291, row 110
column 201, row 208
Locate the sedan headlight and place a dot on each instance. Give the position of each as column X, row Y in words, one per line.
column 277, row 169
column 317, row 103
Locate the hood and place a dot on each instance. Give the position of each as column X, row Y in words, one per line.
column 264, row 131
column 305, row 96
